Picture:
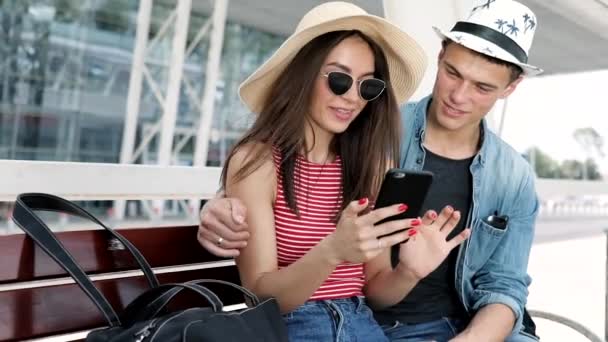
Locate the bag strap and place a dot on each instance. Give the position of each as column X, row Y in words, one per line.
column 250, row 295
column 149, row 304
column 33, row 226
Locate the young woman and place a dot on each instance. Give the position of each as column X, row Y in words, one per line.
column 327, row 129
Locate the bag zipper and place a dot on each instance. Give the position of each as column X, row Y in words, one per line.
column 145, row 331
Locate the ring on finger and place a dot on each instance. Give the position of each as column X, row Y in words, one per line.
column 219, row 241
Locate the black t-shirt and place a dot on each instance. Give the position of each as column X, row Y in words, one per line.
column 435, row 296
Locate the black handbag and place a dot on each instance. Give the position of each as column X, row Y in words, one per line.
column 145, row 318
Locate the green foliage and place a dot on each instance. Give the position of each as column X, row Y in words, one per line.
column 546, row 167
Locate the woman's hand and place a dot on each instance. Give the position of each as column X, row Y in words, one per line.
column 357, row 238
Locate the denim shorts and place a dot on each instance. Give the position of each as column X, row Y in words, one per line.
column 339, row 320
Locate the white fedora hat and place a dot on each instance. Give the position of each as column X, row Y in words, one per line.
column 406, row 59
column 503, row 29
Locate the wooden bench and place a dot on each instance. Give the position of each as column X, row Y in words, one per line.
column 38, row 299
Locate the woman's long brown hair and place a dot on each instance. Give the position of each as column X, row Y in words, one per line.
column 370, row 144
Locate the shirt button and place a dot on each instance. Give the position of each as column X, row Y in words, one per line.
column 419, row 161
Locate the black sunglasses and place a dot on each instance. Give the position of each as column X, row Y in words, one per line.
column 340, row 82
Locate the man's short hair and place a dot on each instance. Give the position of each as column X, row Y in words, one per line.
column 516, row 70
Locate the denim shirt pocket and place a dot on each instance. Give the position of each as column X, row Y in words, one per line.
column 483, row 241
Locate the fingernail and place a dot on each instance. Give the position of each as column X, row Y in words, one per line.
column 363, row 201
column 402, row 207
column 239, row 219
column 449, row 207
column 412, row 232
column 433, row 215
column 415, row 222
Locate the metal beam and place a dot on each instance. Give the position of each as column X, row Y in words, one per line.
column 176, row 69
column 174, row 84
column 134, row 94
column 135, row 81
column 212, row 75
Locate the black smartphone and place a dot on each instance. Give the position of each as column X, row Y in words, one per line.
column 407, row 187
column 404, row 186
column 496, row 221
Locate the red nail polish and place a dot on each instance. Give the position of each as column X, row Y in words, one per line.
column 363, row 201
column 415, row 222
column 402, row 207
column 412, row 232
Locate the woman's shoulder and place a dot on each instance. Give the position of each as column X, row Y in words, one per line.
column 256, row 158
column 246, row 152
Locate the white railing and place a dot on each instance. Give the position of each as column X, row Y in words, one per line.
column 572, row 198
column 93, row 181
column 98, row 181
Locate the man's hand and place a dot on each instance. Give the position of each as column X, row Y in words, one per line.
column 427, row 249
column 223, row 227
column 492, row 323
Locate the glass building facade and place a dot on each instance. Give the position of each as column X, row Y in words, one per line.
column 64, row 78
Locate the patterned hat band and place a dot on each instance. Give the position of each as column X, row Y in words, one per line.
column 493, row 36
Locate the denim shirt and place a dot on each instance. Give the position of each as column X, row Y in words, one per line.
column 492, row 264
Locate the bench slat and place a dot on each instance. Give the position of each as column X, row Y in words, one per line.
column 165, row 246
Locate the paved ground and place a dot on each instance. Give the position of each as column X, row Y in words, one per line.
column 567, row 228
column 569, row 279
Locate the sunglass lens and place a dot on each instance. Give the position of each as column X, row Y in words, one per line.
column 371, row 88
column 339, row 83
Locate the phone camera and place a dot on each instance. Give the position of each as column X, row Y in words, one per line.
column 400, row 175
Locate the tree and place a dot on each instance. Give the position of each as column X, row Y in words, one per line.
column 575, row 169
column 544, row 166
column 591, row 142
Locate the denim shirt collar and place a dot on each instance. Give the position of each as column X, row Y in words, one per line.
column 420, row 114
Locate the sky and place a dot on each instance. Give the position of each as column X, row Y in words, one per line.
column 545, row 111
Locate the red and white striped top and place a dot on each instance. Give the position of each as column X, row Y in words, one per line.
column 318, row 190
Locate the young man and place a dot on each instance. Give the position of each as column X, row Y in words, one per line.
column 479, row 291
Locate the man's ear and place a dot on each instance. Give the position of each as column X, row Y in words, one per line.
column 511, row 88
column 440, row 56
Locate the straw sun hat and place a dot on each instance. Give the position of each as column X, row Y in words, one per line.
column 406, row 59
